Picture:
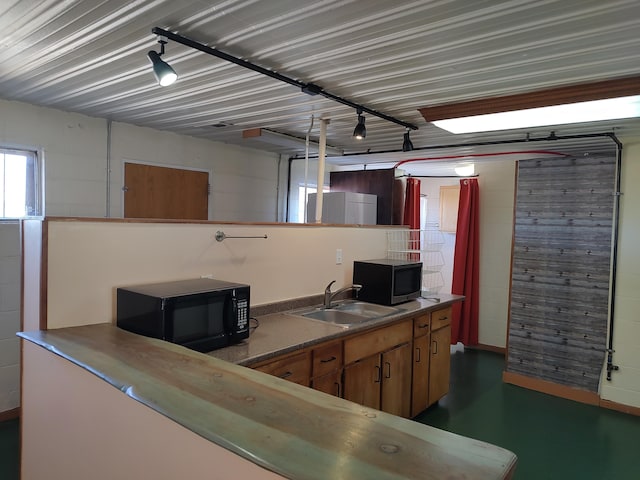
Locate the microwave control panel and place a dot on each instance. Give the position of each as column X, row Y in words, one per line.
column 242, row 315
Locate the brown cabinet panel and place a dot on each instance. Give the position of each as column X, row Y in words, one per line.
column 396, row 381
column 377, row 341
column 295, row 368
column 440, row 318
column 421, row 325
column 362, row 382
column 330, row 383
column 326, row 358
column 420, row 375
column 440, row 367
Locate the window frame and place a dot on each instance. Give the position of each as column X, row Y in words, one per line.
column 34, row 185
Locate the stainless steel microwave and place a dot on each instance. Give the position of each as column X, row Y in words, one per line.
column 202, row 314
column 388, row 281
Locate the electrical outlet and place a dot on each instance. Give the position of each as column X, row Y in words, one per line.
column 339, row 256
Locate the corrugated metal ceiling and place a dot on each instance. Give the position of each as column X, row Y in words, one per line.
column 89, row 56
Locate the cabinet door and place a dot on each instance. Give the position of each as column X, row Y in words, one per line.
column 330, row 383
column 440, row 364
column 396, row 381
column 420, row 383
column 362, row 382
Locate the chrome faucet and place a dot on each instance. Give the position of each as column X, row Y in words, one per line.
column 329, row 295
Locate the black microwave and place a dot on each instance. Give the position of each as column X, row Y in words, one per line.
column 202, row 314
column 388, row 281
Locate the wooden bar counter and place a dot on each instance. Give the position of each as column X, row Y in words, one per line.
column 211, row 416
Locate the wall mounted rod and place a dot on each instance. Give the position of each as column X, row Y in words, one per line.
column 220, row 236
column 308, row 88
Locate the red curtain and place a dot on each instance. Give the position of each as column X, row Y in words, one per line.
column 464, row 324
column 411, row 216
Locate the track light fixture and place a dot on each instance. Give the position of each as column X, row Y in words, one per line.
column 360, row 131
column 161, row 69
column 407, row 144
column 308, row 88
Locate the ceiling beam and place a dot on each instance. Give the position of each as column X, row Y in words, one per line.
column 621, row 87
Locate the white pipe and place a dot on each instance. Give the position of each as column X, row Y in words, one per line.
column 108, row 199
column 321, row 154
column 306, row 169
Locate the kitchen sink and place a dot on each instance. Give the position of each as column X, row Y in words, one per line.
column 348, row 313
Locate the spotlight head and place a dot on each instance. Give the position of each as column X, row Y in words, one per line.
column 360, row 131
column 162, row 70
column 407, row 144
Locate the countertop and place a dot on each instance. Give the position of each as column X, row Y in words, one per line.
column 292, row 430
column 280, row 333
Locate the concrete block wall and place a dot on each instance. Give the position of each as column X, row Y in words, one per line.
column 9, row 315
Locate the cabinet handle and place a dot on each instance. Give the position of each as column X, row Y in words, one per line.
column 423, row 325
column 444, row 318
column 418, row 354
column 328, row 360
column 286, row 375
column 388, row 375
column 338, row 392
column 378, row 374
column 435, row 347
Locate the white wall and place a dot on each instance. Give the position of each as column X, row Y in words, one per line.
column 74, row 149
column 624, row 386
column 496, row 183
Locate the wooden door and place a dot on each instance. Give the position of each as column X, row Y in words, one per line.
column 362, row 382
column 330, row 383
column 396, row 381
column 167, row 193
column 420, row 383
column 440, row 364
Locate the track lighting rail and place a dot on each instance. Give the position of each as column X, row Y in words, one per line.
column 308, row 88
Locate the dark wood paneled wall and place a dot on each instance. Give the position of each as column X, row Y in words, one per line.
column 383, row 183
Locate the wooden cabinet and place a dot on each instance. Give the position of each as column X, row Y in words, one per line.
column 402, row 368
column 421, row 357
column 396, row 381
column 378, row 369
column 295, row 368
column 326, row 369
column 440, row 358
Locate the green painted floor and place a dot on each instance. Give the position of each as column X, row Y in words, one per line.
column 9, row 450
column 553, row 438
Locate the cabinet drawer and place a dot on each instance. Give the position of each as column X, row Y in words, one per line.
column 295, row 368
column 421, row 325
column 377, row 341
column 440, row 318
column 326, row 358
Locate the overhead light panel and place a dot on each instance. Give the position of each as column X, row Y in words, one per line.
column 609, row 100
column 161, row 69
column 360, row 131
column 407, row 144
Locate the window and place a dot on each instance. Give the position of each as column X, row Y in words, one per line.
column 18, row 183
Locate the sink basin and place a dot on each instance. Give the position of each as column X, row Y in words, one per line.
column 349, row 313
column 365, row 309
